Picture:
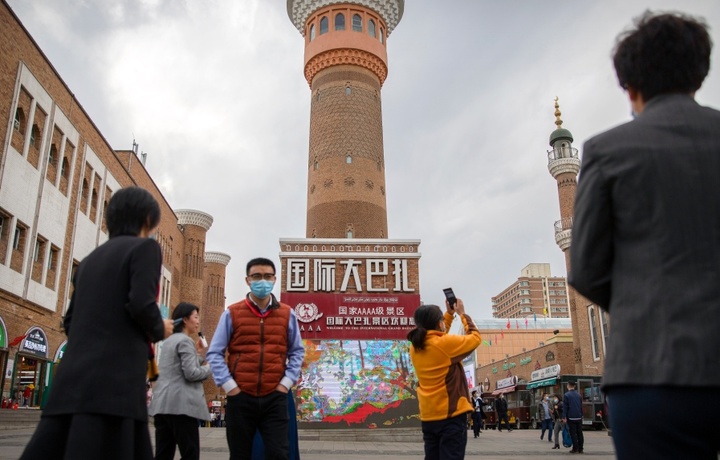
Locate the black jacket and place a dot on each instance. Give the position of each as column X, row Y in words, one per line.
column 112, row 315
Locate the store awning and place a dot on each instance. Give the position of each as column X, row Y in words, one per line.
column 542, row 383
column 504, row 390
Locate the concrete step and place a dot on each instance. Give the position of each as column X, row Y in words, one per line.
column 361, row 435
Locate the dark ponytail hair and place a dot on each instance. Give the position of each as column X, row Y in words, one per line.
column 427, row 318
column 183, row 310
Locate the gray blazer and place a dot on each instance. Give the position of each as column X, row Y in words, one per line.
column 646, row 243
column 179, row 389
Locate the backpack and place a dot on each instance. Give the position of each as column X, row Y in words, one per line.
column 567, row 439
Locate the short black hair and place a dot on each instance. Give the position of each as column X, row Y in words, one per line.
column 183, row 310
column 572, row 383
column 130, row 209
column 259, row 261
column 664, row 53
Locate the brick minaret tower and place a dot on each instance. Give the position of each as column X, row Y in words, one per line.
column 213, row 305
column 564, row 165
column 345, row 66
column 194, row 225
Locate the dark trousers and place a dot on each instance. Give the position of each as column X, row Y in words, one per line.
column 576, row 433
column 547, row 424
column 445, row 439
column 180, row 430
column 245, row 414
column 664, row 422
column 477, row 420
column 81, row 436
column 504, row 417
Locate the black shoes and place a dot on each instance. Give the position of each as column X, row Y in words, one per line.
column 556, row 446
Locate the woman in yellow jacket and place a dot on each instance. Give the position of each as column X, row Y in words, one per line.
column 443, row 392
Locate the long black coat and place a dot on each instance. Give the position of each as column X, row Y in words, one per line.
column 112, row 315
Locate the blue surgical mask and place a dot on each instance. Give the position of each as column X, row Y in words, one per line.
column 261, row 288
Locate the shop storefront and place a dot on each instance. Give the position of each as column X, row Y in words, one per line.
column 30, row 376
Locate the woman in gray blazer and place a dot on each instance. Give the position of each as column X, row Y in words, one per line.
column 178, row 399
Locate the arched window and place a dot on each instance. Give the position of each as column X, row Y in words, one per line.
column 324, row 25
column 52, row 155
column 357, row 23
column 348, row 158
column 371, row 28
column 312, row 32
column 34, row 135
column 382, row 35
column 64, row 168
column 339, row 21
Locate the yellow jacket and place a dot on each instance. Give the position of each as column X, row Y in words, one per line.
column 443, row 389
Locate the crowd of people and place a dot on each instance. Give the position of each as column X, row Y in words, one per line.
column 642, row 185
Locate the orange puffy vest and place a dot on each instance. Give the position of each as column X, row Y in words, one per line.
column 257, row 352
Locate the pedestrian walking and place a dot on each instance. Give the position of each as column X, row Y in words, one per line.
column 572, row 404
column 545, row 413
column 502, row 416
column 557, row 415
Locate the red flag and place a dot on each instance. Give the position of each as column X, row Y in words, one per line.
column 508, row 324
column 16, row 340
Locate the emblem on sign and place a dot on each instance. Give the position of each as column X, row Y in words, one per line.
column 307, row 312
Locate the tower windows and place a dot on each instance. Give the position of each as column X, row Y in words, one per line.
column 339, row 21
column 19, row 122
column 348, row 158
column 316, row 166
column 324, row 25
column 312, row 32
column 371, row 28
column 357, row 23
column 382, row 34
column 348, row 91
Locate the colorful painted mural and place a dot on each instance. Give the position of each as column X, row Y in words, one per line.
column 357, row 384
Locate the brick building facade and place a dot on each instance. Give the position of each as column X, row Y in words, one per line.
column 57, row 173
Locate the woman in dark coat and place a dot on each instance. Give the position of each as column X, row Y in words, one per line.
column 97, row 404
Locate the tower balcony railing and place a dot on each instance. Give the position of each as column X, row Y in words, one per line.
column 562, row 153
column 563, row 224
column 563, row 233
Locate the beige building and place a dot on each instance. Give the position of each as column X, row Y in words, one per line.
column 535, row 293
column 57, row 174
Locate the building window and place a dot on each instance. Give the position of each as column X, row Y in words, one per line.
column 593, row 333
column 34, row 135
column 382, row 35
column 51, row 155
column 316, row 166
column 339, row 21
column 312, row 32
column 324, row 25
column 371, row 28
column 38, row 249
column 357, row 23
column 348, row 159
column 19, row 122
column 605, row 328
column 18, row 239
column 84, row 196
column 349, row 234
column 348, row 91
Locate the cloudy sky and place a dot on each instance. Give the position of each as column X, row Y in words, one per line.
column 213, row 91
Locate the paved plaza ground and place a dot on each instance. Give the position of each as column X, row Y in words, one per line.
column 492, row 445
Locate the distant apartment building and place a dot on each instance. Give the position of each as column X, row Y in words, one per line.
column 536, row 293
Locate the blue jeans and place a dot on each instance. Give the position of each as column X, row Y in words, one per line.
column 445, row 439
column 547, row 424
column 640, row 426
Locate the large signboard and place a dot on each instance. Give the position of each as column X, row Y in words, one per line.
column 353, row 316
column 351, row 289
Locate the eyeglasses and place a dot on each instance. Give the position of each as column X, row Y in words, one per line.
column 262, row 276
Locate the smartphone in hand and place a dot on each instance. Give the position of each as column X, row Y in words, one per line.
column 450, row 296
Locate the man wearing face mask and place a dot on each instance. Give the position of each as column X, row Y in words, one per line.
column 265, row 353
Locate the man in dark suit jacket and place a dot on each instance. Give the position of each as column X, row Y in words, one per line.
column 646, row 244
